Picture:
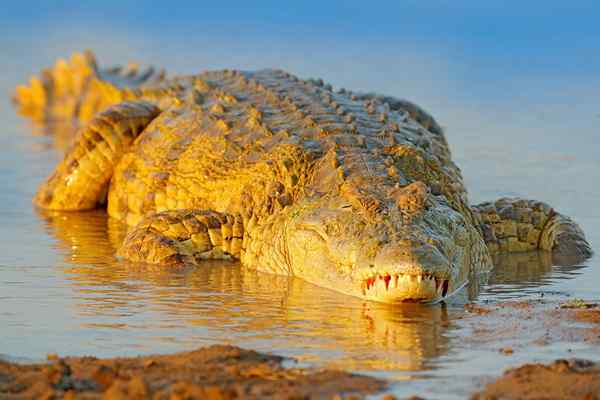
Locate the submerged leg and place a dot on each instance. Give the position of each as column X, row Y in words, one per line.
column 79, row 89
column 81, row 180
column 514, row 225
column 178, row 237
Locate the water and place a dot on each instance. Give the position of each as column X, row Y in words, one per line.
column 530, row 132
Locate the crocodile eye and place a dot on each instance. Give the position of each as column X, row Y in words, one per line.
column 315, row 231
column 346, row 206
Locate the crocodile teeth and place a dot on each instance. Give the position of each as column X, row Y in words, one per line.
column 393, row 281
column 387, row 279
column 445, row 288
column 441, row 286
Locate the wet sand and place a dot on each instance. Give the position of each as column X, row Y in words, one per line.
column 520, row 324
column 215, row 372
column 540, row 323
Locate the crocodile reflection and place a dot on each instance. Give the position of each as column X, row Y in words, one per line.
column 262, row 311
column 519, row 273
column 59, row 136
column 531, row 268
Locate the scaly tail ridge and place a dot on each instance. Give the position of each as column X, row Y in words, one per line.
column 55, row 93
column 78, row 89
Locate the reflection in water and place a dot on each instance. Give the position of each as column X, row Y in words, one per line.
column 59, row 133
column 241, row 307
column 521, row 274
column 84, row 237
column 531, row 268
column 220, row 302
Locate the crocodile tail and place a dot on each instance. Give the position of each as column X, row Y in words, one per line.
column 565, row 238
column 78, row 89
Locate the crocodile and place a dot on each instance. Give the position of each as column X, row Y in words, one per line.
column 354, row 192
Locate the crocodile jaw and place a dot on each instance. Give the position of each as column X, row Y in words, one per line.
column 403, row 287
column 388, row 280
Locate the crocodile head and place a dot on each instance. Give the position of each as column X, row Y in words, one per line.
column 400, row 244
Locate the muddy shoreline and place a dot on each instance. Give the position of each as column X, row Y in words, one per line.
column 562, row 379
column 215, row 372
column 518, row 324
column 228, row 372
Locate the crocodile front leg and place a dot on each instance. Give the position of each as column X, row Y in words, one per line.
column 515, row 225
column 178, row 237
column 81, row 179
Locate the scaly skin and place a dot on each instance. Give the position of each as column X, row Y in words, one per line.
column 353, row 192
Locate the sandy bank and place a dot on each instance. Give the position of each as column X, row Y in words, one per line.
column 216, row 372
column 563, row 379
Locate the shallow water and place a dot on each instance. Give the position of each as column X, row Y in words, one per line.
column 62, row 291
